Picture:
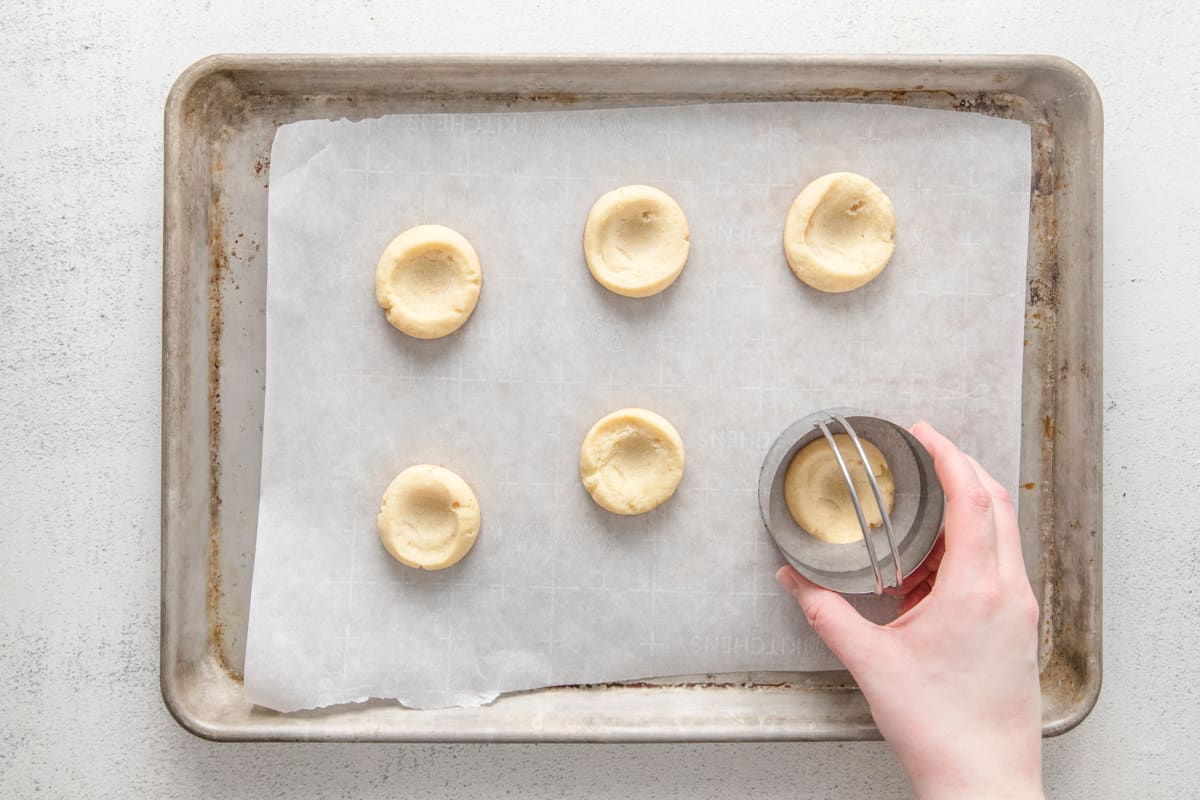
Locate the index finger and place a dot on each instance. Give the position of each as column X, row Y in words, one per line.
column 1008, row 532
column 970, row 525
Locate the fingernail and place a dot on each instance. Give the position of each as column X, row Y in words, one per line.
column 787, row 579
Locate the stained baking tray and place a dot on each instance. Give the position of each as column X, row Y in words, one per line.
column 221, row 117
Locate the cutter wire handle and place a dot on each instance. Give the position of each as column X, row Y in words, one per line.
column 858, row 509
column 887, row 520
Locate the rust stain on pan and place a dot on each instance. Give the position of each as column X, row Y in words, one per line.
column 707, row 685
column 832, row 680
column 557, row 98
column 1061, row 670
column 1043, row 282
column 992, row 104
column 219, row 269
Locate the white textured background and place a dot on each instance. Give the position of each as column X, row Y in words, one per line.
column 81, row 94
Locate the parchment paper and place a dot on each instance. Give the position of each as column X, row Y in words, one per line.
column 558, row 591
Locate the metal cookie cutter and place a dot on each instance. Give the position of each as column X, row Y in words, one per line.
column 908, row 532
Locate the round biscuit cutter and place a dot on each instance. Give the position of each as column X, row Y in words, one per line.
column 908, row 533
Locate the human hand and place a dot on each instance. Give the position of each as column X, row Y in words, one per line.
column 953, row 681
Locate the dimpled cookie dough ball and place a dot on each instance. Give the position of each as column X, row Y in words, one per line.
column 636, row 241
column 429, row 517
column 816, row 494
column 631, row 461
column 838, row 234
column 427, row 281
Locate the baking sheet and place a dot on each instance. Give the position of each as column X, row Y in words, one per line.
column 558, row 591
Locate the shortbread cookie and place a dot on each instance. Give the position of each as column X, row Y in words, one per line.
column 636, row 240
column 429, row 517
column 427, row 281
column 816, row 494
column 631, row 461
column 838, row 234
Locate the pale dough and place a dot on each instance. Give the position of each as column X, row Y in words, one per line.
column 816, row 493
column 429, row 517
column 427, row 281
column 636, row 240
column 838, row 234
column 631, row 461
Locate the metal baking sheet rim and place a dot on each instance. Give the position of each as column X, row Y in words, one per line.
column 1062, row 413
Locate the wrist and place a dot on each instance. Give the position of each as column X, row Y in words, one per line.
column 948, row 785
column 984, row 759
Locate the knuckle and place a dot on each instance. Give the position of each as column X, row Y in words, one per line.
column 1001, row 496
column 1033, row 612
column 979, row 498
column 812, row 613
column 817, row 615
column 993, row 600
column 989, row 597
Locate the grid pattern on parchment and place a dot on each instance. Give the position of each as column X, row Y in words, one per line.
column 557, row 590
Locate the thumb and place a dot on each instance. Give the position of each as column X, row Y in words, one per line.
column 846, row 632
